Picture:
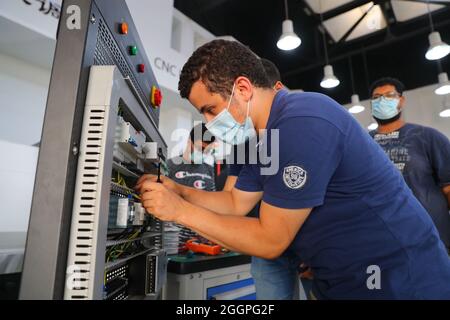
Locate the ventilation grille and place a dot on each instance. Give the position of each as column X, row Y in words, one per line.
column 120, row 272
column 86, row 204
column 108, row 53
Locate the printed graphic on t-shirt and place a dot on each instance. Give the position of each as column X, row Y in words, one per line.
column 185, row 174
column 395, row 150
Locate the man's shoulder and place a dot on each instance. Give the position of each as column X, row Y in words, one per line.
column 311, row 106
column 424, row 131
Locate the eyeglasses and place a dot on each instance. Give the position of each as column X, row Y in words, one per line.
column 387, row 95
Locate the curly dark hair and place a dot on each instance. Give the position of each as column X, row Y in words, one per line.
column 218, row 63
column 399, row 86
column 273, row 74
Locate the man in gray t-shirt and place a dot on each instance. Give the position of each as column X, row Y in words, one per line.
column 194, row 168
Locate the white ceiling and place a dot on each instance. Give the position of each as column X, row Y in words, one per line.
column 339, row 25
column 406, row 10
column 374, row 21
column 319, row 6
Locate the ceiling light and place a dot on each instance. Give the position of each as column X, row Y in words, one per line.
column 437, row 49
column 445, row 113
column 372, row 126
column 356, row 107
column 444, row 84
column 288, row 40
column 329, row 79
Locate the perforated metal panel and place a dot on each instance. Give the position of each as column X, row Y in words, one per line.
column 107, row 53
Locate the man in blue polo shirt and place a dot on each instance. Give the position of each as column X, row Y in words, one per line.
column 336, row 202
column 275, row 279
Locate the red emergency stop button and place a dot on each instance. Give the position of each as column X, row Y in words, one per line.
column 141, row 68
column 156, row 97
column 123, row 28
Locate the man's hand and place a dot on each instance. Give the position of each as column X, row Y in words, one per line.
column 161, row 202
column 167, row 182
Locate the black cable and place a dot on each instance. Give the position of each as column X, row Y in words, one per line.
column 439, row 65
column 430, row 18
column 323, row 33
column 366, row 73
column 351, row 74
column 286, row 9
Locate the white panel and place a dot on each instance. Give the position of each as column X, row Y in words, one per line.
column 23, row 94
column 325, row 5
column 17, row 40
column 373, row 22
column 17, row 171
column 405, row 10
column 338, row 26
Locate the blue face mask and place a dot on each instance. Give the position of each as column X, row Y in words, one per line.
column 384, row 108
column 227, row 129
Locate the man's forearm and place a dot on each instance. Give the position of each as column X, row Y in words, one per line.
column 241, row 234
column 220, row 201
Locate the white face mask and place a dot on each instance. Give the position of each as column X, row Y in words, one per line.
column 227, row 129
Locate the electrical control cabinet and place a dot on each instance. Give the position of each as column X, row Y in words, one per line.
column 89, row 236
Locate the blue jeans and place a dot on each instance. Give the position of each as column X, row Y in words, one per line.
column 276, row 279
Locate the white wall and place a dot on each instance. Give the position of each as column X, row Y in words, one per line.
column 422, row 107
column 30, row 17
column 23, row 95
column 177, row 115
column 17, row 172
column 153, row 19
column 177, row 118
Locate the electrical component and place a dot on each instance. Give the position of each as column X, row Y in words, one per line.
column 139, row 215
column 128, row 134
column 133, row 50
column 152, row 268
column 123, row 28
column 150, row 150
column 156, row 97
column 122, row 213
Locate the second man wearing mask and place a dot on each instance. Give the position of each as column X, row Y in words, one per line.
column 422, row 154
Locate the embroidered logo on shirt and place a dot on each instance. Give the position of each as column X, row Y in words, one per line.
column 294, row 177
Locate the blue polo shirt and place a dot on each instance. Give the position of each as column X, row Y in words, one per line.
column 367, row 236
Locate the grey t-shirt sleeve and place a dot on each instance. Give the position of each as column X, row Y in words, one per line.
column 439, row 152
